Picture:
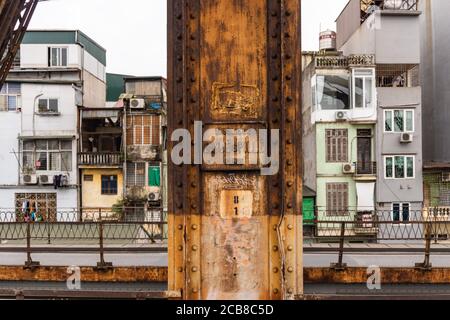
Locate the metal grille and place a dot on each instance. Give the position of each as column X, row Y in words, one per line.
column 397, row 75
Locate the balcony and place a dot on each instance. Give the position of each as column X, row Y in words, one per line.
column 440, row 214
column 366, row 171
column 344, row 62
column 106, row 159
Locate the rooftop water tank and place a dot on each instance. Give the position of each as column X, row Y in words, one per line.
column 327, row 41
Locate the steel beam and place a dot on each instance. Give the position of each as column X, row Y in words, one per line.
column 235, row 65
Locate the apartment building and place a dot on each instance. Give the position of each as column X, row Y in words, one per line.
column 54, row 73
column 390, row 30
column 339, row 112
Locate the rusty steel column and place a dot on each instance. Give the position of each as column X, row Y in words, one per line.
column 233, row 232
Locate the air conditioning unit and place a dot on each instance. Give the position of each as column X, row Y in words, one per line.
column 30, row 179
column 341, row 116
column 137, row 104
column 46, row 180
column 348, row 168
column 446, row 177
column 154, row 194
column 406, row 138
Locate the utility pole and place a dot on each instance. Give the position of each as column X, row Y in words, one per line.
column 235, row 233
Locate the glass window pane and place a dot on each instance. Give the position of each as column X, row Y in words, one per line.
column 405, row 212
column 41, row 145
column 66, row 161
column 28, row 145
column 55, row 163
column 368, row 92
column 53, row 145
column 389, row 167
column 64, row 57
column 410, row 167
column 66, row 145
column 28, row 161
column 359, row 93
column 131, row 174
column 333, row 92
column 140, row 174
column 14, row 88
column 388, row 121
column 53, row 105
column 396, row 212
column 41, row 161
column 399, row 167
column 54, row 57
column 43, row 105
column 409, row 121
column 12, row 103
column 398, row 121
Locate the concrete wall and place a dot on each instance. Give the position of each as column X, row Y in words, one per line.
column 91, row 196
column 35, row 56
column 348, row 22
column 399, row 190
column 9, row 147
column 435, row 71
column 394, row 40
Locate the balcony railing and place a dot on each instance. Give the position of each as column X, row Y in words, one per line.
column 437, row 213
column 342, row 62
column 100, row 159
column 366, row 169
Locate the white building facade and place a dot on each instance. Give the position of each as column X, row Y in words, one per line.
column 55, row 73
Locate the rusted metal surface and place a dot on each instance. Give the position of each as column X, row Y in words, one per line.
column 235, row 65
column 15, row 15
column 88, row 274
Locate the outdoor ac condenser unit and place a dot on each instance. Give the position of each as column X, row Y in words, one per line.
column 137, row 104
column 29, row 179
column 406, row 138
column 341, row 116
column 348, row 168
column 46, row 180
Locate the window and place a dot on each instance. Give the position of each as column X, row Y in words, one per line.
column 136, row 174
column 363, row 88
column 399, row 121
column 144, row 130
column 154, row 176
column 400, row 167
column 44, row 205
column 57, row 57
column 331, row 92
column 47, row 155
column 337, row 199
column 401, row 212
column 336, row 145
column 48, row 105
column 109, row 185
column 10, row 97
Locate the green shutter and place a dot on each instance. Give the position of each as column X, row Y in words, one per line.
column 308, row 211
column 154, row 177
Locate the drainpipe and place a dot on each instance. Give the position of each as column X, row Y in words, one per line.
column 34, row 113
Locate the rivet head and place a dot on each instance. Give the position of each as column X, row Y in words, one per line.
column 290, row 184
column 290, row 227
column 193, row 185
column 290, row 269
column 289, row 205
column 180, row 206
column 180, row 79
column 179, row 16
column 194, row 248
column 275, row 248
column 276, row 206
column 180, row 248
column 290, row 291
column 180, row 36
column 194, row 206
column 194, row 227
column 276, row 291
column 194, row 290
column 180, row 100
column 180, row 227
column 275, row 270
column 180, row 269
column 180, row 184
column 194, row 269
column 289, row 99
column 289, row 141
column 275, row 99
column 288, row 77
column 275, row 227
column 290, row 163
column 287, row 13
column 290, row 248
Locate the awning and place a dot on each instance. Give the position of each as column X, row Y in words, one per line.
column 365, row 193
